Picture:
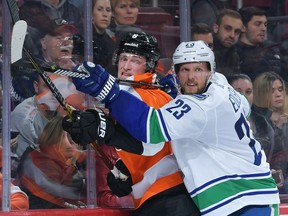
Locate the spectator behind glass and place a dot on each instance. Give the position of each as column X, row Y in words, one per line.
column 54, row 45
column 56, row 49
column 124, row 14
column 226, row 34
column 57, row 45
column 269, row 91
column 38, row 14
column 103, row 44
column 201, row 31
column 206, row 11
column 53, row 175
column 59, row 9
column 255, row 52
column 30, row 116
column 243, row 84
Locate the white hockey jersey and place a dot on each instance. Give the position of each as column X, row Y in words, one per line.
column 224, row 167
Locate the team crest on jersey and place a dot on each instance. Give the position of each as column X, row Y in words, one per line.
column 190, row 45
column 200, row 96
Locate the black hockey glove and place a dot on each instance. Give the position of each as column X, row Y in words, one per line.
column 88, row 126
column 119, row 179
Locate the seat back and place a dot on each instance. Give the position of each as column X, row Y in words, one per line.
column 152, row 23
column 170, row 39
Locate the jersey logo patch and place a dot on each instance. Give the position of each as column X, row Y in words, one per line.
column 200, row 96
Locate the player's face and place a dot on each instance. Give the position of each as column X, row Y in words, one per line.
column 125, row 12
column 228, row 31
column 193, row 77
column 102, row 14
column 130, row 64
column 278, row 94
column 245, row 87
column 256, row 30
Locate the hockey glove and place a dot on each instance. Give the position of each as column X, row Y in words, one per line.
column 88, row 126
column 100, row 84
column 119, row 179
column 170, row 82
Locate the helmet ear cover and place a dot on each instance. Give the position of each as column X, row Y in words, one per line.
column 193, row 51
column 142, row 44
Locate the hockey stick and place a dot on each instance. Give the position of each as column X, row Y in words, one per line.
column 82, row 74
column 15, row 18
column 17, row 40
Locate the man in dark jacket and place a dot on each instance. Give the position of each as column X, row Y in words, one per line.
column 257, row 54
column 226, row 34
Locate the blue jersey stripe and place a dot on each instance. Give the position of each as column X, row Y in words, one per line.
column 267, row 174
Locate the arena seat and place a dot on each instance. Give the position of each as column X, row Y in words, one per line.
column 151, row 9
column 164, row 66
column 170, row 39
column 256, row 3
column 152, row 22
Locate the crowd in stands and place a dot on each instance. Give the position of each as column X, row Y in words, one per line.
column 49, row 169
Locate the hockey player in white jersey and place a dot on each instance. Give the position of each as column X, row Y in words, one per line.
column 224, row 168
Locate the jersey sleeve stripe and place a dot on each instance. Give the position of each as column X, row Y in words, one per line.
column 229, row 177
column 241, row 187
column 164, row 128
column 156, row 130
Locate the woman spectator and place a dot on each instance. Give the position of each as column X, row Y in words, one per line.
column 124, row 14
column 103, row 44
column 269, row 92
column 53, row 175
column 243, row 84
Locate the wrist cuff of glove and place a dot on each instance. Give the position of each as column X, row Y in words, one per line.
column 109, row 92
column 105, row 128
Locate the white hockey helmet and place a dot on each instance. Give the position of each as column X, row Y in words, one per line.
column 193, row 51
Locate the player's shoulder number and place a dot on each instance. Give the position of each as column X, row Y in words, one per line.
column 179, row 109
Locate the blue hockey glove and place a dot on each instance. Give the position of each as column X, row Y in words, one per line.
column 171, row 84
column 100, row 84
